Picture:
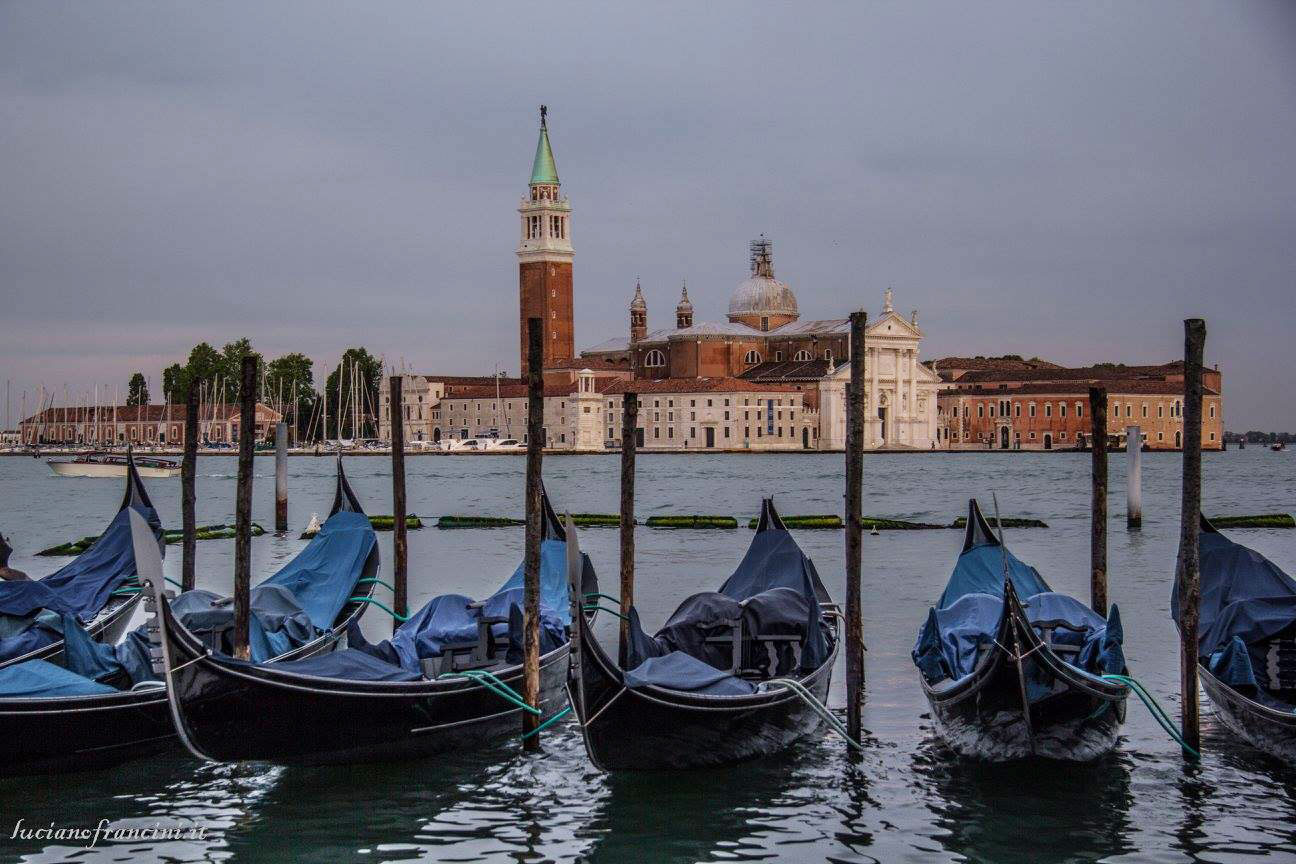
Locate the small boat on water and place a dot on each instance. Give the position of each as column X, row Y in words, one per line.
column 109, row 705
column 445, row 682
column 112, row 465
column 1012, row 669
column 1246, row 636
column 1278, row 446
column 705, row 690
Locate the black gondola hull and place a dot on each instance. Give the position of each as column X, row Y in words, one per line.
column 83, row 733
column 1269, row 730
column 654, row 729
column 1024, row 701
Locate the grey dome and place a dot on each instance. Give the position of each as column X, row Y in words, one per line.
column 762, row 295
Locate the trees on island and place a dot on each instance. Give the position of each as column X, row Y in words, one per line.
column 288, row 385
column 137, row 392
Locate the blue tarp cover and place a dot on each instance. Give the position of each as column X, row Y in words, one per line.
column 1246, row 600
column 971, row 608
column 679, row 671
column 775, row 591
column 81, row 587
column 452, row 619
column 350, row 663
column 42, row 680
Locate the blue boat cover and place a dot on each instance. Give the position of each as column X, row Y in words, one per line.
column 679, row 671
column 37, row 679
column 81, row 587
column 774, row 592
column 1246, row 600
column 349, row 663
column 304, row 598
column 452, row 619
column 971, row 608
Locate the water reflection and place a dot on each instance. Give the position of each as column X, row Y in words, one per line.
column 1030, row 812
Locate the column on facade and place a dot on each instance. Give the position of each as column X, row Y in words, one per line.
column 913, row 393
column 875, row 399
column 898, row 411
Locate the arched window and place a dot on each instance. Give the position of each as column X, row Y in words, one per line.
column 655, row 359
column 752, row 357
column 828, row 354
column 801, row 356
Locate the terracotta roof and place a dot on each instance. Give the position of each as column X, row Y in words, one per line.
column 1005, row 363
column 695, row 385
column 592, row 363
column 794, row 370
column 1100, row 372
column 519, row 391
column 1117, row 388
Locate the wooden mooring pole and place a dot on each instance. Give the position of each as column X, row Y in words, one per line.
column 243, row 507
column 188, row 490
column 629, row 440
column 1188, row 572
column 1098, row 503
column 1133, row 477
column 531, row 560
column 854, row 540
column 400, row 539
column 281, row 477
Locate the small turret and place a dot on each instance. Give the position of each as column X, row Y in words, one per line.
column 684, row 310
column 638, row 315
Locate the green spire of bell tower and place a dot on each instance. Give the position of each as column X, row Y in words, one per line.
column 543, row 170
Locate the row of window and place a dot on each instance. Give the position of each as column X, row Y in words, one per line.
column 655, row 359
column 1175, row 408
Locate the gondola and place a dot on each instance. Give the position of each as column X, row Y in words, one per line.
column 704, row 690
column 440, row 684
column 109, row 706
column 1012, row 669
column 93, row 588
column 1247, row 643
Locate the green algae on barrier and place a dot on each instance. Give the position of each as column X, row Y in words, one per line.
column 1262, row 520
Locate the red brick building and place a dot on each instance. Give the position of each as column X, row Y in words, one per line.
column 140, row 425
column 1046, row 407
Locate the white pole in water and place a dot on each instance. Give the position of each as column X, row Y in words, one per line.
column 1134, row 465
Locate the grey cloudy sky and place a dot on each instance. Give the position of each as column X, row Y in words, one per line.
column 1067, row 180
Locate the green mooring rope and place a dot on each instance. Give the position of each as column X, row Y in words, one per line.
column 495, row 685
column 616, row 600
column 546, row 724
column 605, row 609
column 1155, row 709
column 376, row 582
column 380, row 605
column 818, row 707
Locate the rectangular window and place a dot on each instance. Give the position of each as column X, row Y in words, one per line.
column 692, row 431
column 656, row 432
column 1032, row 412
column 670, row 431
column 1062, row 409
column 1144, row 410
column 1048, row 409
column 1079, row 409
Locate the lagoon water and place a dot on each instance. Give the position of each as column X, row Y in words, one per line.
column 908, row 800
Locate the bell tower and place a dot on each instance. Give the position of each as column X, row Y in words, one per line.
column 545, row 257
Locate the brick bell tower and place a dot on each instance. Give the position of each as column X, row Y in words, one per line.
column 545, row 257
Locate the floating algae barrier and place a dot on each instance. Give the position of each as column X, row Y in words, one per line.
column 827, row 521
column 203, row 532
column 1008, row 522
column 691, row 522
column 1263, row 520
column 874, row 523
column 478, row 522
column 388, row 523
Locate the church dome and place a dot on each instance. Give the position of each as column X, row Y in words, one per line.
column 761, row 294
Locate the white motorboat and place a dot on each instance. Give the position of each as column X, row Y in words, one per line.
column 112, row 465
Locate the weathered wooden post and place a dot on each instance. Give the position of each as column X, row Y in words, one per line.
column 188, row 490
column 243, row 506
column 1098, row 506
column 1133, row 477
column 629, row 424
column 400, row 600
column 854, row 540
column 281, row 477
column 1188, row 572
column 531, row 560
